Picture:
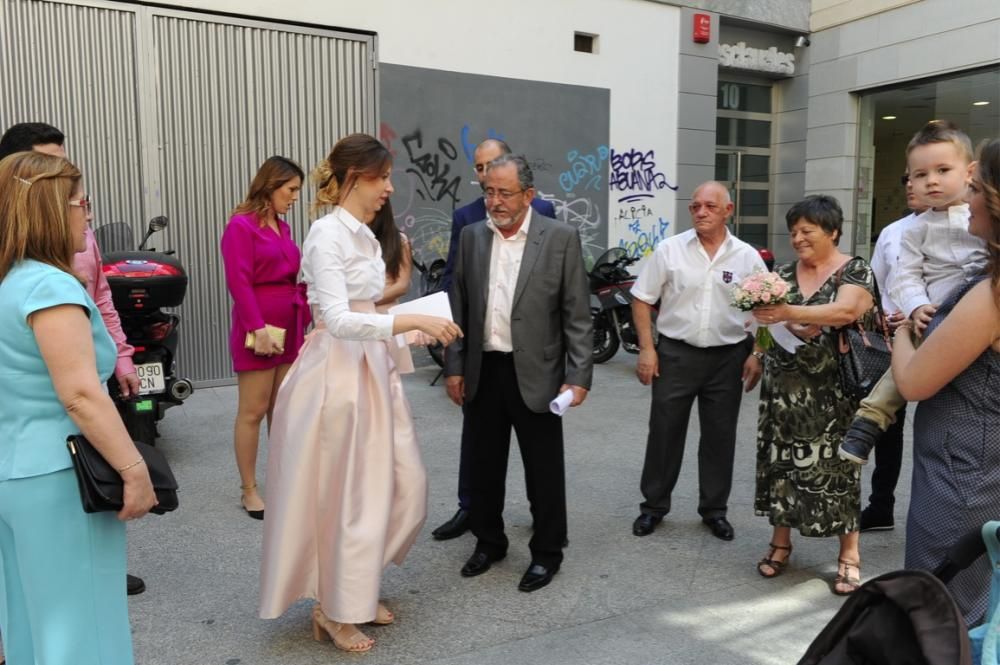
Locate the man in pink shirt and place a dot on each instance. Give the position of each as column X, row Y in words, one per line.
column 41, row 137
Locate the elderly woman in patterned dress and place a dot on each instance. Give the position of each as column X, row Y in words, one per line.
column 956, row 440
column 801, row 482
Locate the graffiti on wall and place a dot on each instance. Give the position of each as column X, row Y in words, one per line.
column 635, row 180
column 427, row 175
column 584, row 170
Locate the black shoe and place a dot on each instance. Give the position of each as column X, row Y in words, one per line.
column 479, row 563
column 876, row 519
column 859, row 441
column 134, row 585
column 453, row 528
column 720, row 527
column 536, row 577
column 256, row 514
column 644, row 524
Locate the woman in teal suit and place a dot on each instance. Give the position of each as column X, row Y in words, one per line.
column 62, row 588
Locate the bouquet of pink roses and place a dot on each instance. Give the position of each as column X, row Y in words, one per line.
column 760, row 288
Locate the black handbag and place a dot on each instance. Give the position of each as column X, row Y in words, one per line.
column 863, row 355
column 101, row 488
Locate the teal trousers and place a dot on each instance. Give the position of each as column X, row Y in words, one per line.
column 62, row 591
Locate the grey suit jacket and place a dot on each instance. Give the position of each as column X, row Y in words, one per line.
column 550, row 318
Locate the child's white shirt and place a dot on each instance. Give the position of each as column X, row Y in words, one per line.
column 936, row 256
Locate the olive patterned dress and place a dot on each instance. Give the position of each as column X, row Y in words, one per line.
column 801, row 481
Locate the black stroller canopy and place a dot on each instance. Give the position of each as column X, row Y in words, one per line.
column 905, row 617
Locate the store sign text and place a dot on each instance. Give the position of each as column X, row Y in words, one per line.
column 741, row 56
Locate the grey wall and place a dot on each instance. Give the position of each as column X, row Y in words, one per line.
column 920, row 40
column 698, row 88
column 432, row 120
column 697, row 85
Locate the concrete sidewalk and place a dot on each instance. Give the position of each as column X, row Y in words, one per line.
column 678, row 596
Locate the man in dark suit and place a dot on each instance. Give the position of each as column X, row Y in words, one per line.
column 474, row 212
column 520, row 294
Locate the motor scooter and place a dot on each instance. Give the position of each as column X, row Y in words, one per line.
column 144, row 282
column 610, row 284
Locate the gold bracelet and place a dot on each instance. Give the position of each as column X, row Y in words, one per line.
column 129, row 466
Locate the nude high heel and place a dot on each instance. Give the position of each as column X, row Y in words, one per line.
column 344, row 636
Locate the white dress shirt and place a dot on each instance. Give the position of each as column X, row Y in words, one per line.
column 505, row 265
column 885, row 259
column 341, row 262
column 696, row 291
column 936, row 256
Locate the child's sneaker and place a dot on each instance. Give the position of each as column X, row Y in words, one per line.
column 859, row 441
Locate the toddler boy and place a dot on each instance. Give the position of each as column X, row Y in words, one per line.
column 936, row 255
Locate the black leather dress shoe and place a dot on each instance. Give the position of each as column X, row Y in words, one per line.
column 720, row 527
column 479, row 563
column 134, row 585
column 453, row 528
column 645, row 524
column 536, row 577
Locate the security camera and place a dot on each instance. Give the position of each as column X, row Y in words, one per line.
column 801, row 41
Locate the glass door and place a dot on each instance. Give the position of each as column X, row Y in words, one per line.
column 743, row 154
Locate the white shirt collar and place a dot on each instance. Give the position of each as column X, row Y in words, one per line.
column 522, row 231
column 349, row 220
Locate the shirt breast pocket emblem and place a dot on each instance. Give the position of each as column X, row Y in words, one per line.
column 727, row 276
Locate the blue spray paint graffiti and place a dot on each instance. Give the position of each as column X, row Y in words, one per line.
column 646, row 236
column 584, row 168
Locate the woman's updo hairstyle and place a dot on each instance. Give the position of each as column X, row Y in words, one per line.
column 354, row 156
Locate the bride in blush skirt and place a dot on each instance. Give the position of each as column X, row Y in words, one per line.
column 347, row 491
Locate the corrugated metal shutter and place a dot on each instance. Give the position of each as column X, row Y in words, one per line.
column 74, row 67
column 214, row 96
column 230, row 95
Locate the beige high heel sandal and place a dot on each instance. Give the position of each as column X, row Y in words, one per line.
column 383, row 616
column 345, row 636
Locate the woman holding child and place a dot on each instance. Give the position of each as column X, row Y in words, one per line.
column 801, row 483
column 956, row 374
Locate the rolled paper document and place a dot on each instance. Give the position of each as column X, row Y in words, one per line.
column 559, row 405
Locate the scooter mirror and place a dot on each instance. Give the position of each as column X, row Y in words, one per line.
column 158, row 223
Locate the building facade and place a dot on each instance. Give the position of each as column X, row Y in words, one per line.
column 622, row 107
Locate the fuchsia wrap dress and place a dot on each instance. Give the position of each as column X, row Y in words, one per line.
column 262, row 272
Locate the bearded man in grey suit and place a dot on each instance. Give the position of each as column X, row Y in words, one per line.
column 520, row 293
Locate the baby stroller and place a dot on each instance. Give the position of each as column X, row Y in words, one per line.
column 908, row 617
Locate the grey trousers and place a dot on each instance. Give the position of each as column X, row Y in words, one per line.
column 713, row 376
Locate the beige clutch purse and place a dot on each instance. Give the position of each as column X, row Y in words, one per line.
column 276, row 333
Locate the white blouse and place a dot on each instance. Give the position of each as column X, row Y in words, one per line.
column 341, row 262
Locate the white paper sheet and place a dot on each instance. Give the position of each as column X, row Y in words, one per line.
column 560, row 404
column 782, row 335
column 436, row 304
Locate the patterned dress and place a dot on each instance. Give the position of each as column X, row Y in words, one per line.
column 956, row 471
column 801, row 482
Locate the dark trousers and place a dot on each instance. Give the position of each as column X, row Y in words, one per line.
column 464, row 463
column 496, row 409
column 888, row 460
column 713, row 376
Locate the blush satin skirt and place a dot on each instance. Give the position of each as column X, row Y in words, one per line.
column 346, row 487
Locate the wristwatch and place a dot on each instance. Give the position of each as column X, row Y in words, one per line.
column 759, row 355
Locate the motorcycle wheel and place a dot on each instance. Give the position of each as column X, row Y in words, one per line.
column 437, row 353
column 140, row 426
column 605, row 338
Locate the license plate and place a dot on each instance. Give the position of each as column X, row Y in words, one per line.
column 150, row 378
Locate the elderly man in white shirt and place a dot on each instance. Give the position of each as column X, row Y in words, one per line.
column 703, row 351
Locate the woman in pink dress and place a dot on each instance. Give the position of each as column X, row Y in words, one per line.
column 262, row 269
column 347, row 492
